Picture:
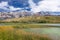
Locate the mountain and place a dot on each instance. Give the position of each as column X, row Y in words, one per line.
column 15, row 14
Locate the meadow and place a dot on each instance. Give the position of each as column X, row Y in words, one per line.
column 13, row 29
column 34, row 19
column 10, row 33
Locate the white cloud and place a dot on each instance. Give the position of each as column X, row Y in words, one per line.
column 4, row 5
column 13, row 9
column 45, row 5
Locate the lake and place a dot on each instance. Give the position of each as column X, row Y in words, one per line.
column 49, row 24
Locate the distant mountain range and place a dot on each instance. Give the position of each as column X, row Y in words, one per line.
column 5, row 15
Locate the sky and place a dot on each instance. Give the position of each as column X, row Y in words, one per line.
column 30, row 5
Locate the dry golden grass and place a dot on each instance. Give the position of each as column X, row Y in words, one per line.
column 36, row 19
column 10, row 33
column 5, row 28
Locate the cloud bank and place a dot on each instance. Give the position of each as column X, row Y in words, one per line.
column 5, row 6
column 45, row 5
column 31, row 5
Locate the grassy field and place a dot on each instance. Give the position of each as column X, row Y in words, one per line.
column 26, row 25
column 10, row 33
column 11, row 29
column 34, row 19
column 14, row 31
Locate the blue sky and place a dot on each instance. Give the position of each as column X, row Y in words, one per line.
column 30, row 5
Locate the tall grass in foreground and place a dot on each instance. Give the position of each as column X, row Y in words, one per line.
column 10, row 33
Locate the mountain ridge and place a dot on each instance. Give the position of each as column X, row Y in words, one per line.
column 5, row 15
